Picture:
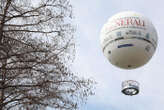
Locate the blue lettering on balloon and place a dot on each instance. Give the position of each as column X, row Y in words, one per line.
column 125, row 45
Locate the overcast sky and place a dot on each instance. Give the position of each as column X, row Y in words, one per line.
column 90, row 61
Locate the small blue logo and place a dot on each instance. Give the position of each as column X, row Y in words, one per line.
column 118, row 33
column 147, row 36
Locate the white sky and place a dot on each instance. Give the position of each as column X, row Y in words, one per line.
column 90, row 61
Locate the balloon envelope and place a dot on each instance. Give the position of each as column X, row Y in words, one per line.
column 128, row 40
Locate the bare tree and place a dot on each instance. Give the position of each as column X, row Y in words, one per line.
column 36, row 49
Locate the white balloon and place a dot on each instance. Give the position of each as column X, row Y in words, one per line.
column 128, row 40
